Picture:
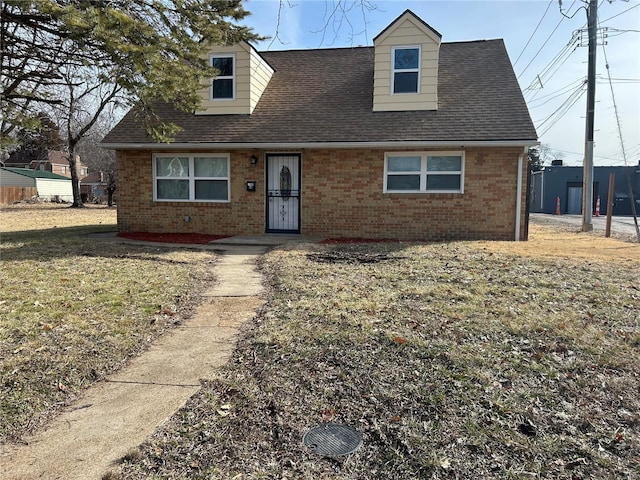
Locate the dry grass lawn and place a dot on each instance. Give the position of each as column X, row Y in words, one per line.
column 74, row 308
column 454, row 360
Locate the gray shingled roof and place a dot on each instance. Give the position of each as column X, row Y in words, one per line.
column 327, row 96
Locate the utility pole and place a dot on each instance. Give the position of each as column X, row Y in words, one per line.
column 587, row 176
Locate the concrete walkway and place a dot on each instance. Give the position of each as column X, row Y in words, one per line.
column 116, row 415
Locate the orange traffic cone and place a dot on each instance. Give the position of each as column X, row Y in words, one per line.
column 598, row 206
column 558, row 206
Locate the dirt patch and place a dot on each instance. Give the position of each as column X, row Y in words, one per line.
column 348, row 240
column 351, row 257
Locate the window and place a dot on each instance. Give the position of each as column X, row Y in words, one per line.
column 64, row 168
column 199, row 178
column 421, row 172
column 223, row 86
column 406, row 70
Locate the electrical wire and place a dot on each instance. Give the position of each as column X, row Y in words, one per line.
column 545, row 42
column 534, row 32
column 554, row 61
column 556, row 94
column 615, row 106
column 562, row 110
column 617, row 15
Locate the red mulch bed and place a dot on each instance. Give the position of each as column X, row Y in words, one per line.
column 332, row 241
column 187, row 238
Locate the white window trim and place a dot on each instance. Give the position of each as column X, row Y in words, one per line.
column 224, row 77
column 407, row 70
column 423, row 171
column 192, row 178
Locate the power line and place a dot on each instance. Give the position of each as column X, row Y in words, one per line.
column 556, row 94
column 554, row 61
column 615, row 106
column 621, row 13
column 534, row 32
column 545, row 42
column 562, row 110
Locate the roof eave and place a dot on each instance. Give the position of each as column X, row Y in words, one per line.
column 330, row 145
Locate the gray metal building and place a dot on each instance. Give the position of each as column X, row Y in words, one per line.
column 566, row 183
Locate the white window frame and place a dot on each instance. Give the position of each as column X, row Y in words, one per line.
column 423, row 170
column 191, row 177
column 405, row 70
column 231, row 77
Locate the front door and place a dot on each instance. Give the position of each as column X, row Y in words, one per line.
column 283, row 193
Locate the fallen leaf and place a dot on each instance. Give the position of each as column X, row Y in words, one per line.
column 62, row 387
column 399, row 340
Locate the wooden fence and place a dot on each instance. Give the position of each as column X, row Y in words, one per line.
column 15, row 194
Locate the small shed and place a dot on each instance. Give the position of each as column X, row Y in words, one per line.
column 50, row 186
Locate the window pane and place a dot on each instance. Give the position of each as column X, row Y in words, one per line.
column 444, row 164
column 406, row 58
column 212, row 190
column 173, row 189
column 224, row 64
column 172, row 167
column 403, row 182
column 223, row 88
column 403, row 164
column 405, row 82
column 210, row 167
column 443, row 182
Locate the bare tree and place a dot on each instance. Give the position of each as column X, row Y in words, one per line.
column 85, row 95
column 99, row 159
column 338, row 15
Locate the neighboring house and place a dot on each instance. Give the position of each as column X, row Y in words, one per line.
column 93, row 187
column 50, row 186
column 53, row 161
column 409, row 139
column 558, row 181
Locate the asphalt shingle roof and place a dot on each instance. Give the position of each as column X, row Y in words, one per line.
column 327, row 96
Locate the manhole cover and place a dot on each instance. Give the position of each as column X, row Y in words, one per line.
column 333, row 439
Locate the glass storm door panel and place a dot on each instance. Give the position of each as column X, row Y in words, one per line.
column 283, row 193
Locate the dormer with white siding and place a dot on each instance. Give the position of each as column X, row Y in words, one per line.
column 406, row 66
column 243, row 76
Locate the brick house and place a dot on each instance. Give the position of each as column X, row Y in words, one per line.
column 52, row 161
column 409, row 139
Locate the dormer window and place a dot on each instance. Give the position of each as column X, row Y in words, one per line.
column 223, row 86
column 405, row 70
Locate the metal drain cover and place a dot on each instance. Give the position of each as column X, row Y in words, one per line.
column 333, row 439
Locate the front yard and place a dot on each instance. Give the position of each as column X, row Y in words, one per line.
column 454, row 360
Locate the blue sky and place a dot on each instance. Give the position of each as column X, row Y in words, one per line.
column 547, row 51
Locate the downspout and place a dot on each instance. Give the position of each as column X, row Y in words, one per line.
column 519, row 194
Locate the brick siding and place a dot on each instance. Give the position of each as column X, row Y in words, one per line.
column 341, row 196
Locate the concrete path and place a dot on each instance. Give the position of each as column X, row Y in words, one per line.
column 116, row 415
